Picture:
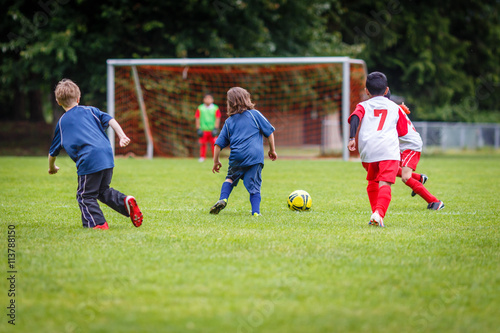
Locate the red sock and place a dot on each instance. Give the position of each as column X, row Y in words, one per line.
column 372, row 190
column 418, row 188
column 384, row 199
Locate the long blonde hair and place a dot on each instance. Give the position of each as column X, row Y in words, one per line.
column 238, row 101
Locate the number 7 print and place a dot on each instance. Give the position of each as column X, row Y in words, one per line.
column 378, row 112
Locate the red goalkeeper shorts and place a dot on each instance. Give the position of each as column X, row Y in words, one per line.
column 207, row 138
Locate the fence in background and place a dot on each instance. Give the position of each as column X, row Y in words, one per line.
column 446, row 136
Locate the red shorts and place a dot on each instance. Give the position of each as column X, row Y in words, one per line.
column 207, row 138
column 382, row 171
column 410, row 158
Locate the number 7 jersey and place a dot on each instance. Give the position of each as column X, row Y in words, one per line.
column 381, row 123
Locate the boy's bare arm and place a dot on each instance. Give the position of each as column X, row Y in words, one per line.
column 217, row 164
column 53, row 168
column 272, row 149
column 124, row 140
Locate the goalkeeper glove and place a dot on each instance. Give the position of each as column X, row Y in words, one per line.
column 199, row 132
column 215, row 132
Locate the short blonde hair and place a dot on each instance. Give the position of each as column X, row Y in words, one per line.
column 67, row 92
column 238, row 101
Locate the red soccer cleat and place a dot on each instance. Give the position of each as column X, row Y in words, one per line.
column 102, row 226
column 133, row 210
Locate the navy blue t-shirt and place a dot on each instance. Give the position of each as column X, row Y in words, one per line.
column 243, row 132
column 81, row 132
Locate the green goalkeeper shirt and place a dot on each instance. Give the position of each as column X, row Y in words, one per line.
column 207, row 116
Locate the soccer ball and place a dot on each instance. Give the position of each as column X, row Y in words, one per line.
column 299, row 200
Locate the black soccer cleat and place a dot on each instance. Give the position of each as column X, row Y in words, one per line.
column 219, row 205
column 423, row 179
column 438, row 205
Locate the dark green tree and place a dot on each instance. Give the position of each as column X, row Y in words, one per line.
column 441, row 56
column 58, row 38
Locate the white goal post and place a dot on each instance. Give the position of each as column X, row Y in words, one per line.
column 133, row 63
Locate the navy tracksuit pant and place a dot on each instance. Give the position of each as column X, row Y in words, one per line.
column 93, row 187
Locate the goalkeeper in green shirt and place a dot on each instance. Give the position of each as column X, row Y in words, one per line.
column 207, row 124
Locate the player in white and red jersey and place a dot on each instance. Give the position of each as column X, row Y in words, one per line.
column 380, row 122
column 410, row 146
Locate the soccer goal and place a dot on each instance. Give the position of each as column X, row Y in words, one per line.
column 307, row 99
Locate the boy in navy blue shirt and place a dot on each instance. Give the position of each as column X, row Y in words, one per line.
column 81, row 132
column 243, row 132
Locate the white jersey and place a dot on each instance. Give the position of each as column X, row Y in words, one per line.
column 412, row 140
column 381, row 120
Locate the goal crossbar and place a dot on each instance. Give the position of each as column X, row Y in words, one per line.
column 233, row 61
column 186, row 62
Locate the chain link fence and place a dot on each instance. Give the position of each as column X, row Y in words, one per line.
column 446, row 136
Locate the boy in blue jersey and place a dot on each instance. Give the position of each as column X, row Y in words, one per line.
column 81, row 132
column 243, row 132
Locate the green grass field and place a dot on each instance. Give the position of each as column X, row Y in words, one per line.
column 185, row 270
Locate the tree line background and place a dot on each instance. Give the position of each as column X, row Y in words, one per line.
column 441, row 56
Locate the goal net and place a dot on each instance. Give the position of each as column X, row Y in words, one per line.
column 304, row 98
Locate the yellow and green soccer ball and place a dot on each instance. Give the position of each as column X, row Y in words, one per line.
column 299, row 200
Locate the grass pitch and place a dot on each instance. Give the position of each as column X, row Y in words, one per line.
column 187, row 271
